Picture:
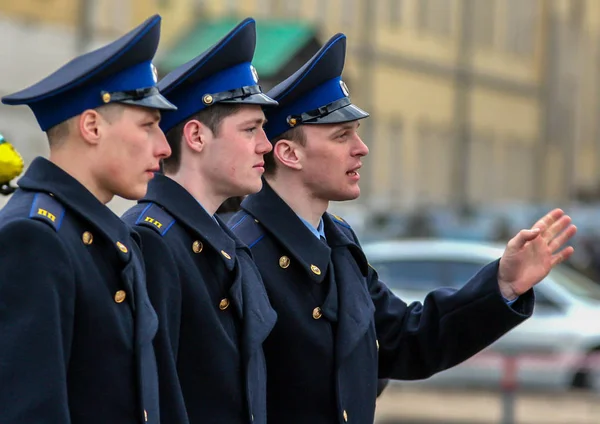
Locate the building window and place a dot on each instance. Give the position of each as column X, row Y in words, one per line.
column 434, row 175
column 519, row 170
column 395, row 12
column 348, row 12
column 484, row 22
column 265, row 7
column 435, row 16
column 230, row 7
column 482, row 164
column 322, row 10
column 292, row 8
column 396, row 138
column 520, row 26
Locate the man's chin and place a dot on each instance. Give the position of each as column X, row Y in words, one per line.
column 134, row 193
column 344, row 197
column 253, row 188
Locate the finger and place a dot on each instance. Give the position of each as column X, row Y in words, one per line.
column 563, row 255
column 556, row 228
column 548, row 219
column 523, row 237
column 562, row 238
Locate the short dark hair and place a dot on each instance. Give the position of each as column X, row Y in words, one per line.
column 293, row 134
column 212, row 117
column 58, row 133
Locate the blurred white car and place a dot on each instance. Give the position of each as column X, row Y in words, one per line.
column 553, row 349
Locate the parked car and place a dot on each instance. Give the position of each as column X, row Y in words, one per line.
column 553, row 349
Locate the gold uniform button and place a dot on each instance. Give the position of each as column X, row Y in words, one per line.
column 345, row 414
column 284, row 262
column 224, row 253
column 197, row 246
column 224, row 304
column 256, row 220
column 207, row 99
column 145, row 415
column 317, row 313
column 122, row 247
column 87, row 238
column 315, row 269
column 106, row 97
column 120, row 296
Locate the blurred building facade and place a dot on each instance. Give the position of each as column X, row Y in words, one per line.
column 471, row 101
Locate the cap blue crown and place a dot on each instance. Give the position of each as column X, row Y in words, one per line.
column 118, row 72
column 314, row 94
column 221, row 74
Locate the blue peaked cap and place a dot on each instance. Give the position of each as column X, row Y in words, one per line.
column 222, row 74
column 120, row 72
column 314, row 94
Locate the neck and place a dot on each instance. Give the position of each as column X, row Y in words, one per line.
column 76, row 162
column 298, row 198
column 192, row 181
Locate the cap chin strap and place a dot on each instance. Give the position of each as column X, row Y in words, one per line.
column 294, row 120
column 238, row 93
column 119, row 96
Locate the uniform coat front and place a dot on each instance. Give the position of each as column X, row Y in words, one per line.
column 76, row 323
column 213, row 309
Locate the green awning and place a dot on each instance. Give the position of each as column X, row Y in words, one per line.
column 276, row 43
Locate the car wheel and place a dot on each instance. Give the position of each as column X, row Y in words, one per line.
column 588, row 376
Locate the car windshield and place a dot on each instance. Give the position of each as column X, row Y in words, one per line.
column 575, row 283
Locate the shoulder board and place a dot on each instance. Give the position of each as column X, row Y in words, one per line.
column 338, row 220
column 247, row 229
column 155, row 217
column 47, row 209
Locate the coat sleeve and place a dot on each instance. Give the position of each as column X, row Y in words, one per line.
column 164, row 288
column 421, row 339
column 37, row 304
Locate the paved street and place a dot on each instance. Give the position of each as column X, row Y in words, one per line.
column 412, row 405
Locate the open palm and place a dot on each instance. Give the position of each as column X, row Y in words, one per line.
column 531, row 254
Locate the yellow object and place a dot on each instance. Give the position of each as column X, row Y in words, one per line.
column 11, row 162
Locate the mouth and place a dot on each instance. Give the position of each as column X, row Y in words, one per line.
column 354, row 171
column 259, row 165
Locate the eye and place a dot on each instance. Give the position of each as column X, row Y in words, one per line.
column 251, row 130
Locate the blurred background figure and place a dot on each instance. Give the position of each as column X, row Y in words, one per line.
column 11, row 166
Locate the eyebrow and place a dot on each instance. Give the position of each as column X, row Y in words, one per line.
column 344, row 127
column 254, row 121
column 154, row 114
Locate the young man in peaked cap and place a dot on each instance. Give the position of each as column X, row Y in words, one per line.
column 342, row 328
column 213, row 309
column 76, row 321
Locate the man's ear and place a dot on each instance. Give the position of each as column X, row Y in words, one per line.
column 196, row 135
column 289, row 154
column 91, row 126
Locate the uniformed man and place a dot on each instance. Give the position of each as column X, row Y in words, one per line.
column 212, row 305
column 339, row 328
column 75, row 318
